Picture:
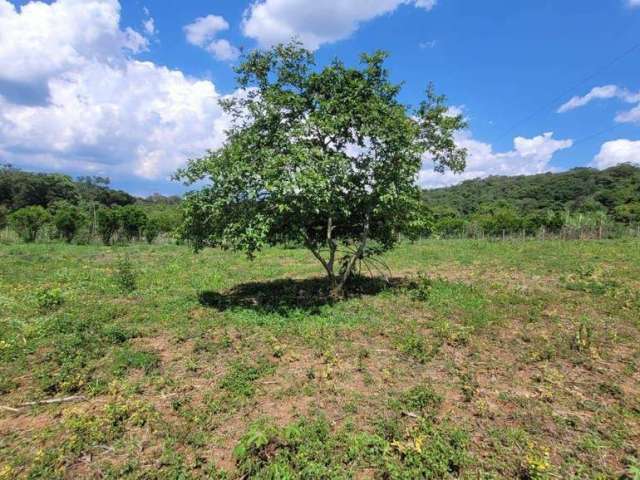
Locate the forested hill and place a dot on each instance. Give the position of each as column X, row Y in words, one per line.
column 615, row 191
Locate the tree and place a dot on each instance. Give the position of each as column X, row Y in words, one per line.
column 28, row 221
column 328, row 158
column 133, row 220
column 108, row 224
column 4, row 214
column 68, row 219
column 151, row 230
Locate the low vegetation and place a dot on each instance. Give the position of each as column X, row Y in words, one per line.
column 479, row 359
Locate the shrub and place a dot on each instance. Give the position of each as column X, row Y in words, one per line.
column 108, row 224
column 151, row 230
column 4, row 216
column 133, row 221
column 68, row 219
column 28, row 222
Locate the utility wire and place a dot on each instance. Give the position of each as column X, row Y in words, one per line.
column 566, row 92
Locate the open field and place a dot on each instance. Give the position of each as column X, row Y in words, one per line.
column 483, row 360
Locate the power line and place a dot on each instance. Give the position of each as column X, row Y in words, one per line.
column 569, row 90
column 596, row 134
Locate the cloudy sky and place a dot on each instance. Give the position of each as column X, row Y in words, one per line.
column 130, row 88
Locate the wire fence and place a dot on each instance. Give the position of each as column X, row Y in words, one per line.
column 601, row 232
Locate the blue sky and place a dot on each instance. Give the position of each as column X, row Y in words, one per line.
column 129, row 89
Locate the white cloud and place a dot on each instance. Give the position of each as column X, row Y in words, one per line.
column 205, row 29
column 203, row 32
column 608, row 92
column 630, row 116
column 529, row 156
column 317, row 22
column 149, row 26
column 42, row 40
column 600, row 93
column 634, row 3
column 427, row 45
column 617, row 151
column 104, row 111
column 223, row 50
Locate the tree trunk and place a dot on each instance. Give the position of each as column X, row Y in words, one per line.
column 354, row 258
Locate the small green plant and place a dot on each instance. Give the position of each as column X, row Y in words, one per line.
column 633, row 469
column 420, row 288
column 536, row 464
column 127, row 359
column 240, row 379
column 427, row 451
column 49, row 298
column 117, row 334
column 469, row 386
column 125, row 275
column 583, row 337
column 422, row 399
column 415, row 345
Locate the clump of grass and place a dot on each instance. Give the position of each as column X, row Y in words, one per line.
column 422, row 399
column 452, row 300
column 127, row 359
column 116, row 334
column 416, row 346
column 589, row 279
column 241, row 377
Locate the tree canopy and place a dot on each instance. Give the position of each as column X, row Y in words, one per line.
column 326, row 157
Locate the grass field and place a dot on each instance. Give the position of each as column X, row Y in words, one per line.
column 482, row 360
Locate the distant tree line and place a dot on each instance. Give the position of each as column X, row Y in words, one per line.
column 580, row 202
column 37, row 205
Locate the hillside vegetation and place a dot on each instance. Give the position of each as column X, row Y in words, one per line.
column 580, row 196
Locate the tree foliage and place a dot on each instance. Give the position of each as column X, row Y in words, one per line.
column 28, row 222
column 20, row 189
column 325, row 157
column 108, row 224
column 4, row 216
column 133, row 220
column 68, row 219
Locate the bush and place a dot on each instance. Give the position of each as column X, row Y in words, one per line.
column 133, row 221
column 28, row 221
column 108, row 224
column 4, row 215
column 68, row 219
column 151, row 230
